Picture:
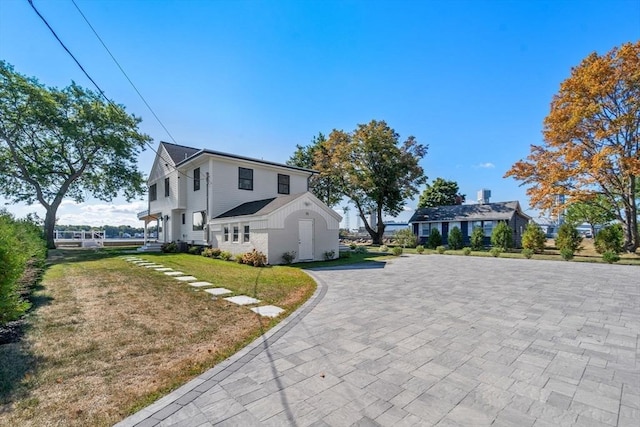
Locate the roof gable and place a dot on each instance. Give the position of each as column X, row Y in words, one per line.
column 248, row 208
column 178, row 153
column 479, row 212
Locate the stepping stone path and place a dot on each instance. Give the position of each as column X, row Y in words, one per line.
column 242, row 300
column 266, row 310
column 217, row 291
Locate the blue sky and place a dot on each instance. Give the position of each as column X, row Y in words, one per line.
column 472, row 79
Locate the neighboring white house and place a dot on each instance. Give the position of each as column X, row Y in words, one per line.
column 197, row 195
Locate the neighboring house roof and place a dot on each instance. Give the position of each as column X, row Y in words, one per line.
column 260, row 207
column 181, row 154
column 178, row 153
column 487, row 211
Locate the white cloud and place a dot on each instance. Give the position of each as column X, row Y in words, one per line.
column 486, row 165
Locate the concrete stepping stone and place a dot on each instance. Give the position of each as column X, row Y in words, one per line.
column 174, row 273
column 217, row 291
column 145, row 264
column 163, row 269
column 242, row 300
column 267, row 310
column 185, row 278
column 153, row 265
column 200, row 284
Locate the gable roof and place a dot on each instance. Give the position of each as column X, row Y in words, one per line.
column 181, row 154
column 178, row 153
column 487, row 211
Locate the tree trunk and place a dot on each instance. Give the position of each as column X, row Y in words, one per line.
column 49, row 225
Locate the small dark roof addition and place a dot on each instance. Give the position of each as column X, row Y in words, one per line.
column 487, row 211
column 179, row 153
column 249, row 208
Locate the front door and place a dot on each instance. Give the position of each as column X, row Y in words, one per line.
column 305, row 239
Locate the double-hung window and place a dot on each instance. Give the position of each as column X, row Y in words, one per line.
column 246, row 235
column 283, row 184
column 235, row 233
column 196, row 179
column 153, row 192
column 166, row 187
column 225, row 234
column 245, row 179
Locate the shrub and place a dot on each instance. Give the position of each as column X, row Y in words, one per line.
column 211, row 252
column 329, row 255
column 610, row 239
column 225, row 255
column 169, row 248
column 405, row 238
column 13, row 262
column 527, row 252
column 397, row 250
column 239, row 258
column 420, row 249
column 568, row 238
column 455, row 239
column 502, row 237
column 195, row 250
column 441, row 249
column 344, row 254
column 533, row 238
column 435, row 239
column 566, row 254
column 363, row 249
column 288, row 257
column 477, row 239
column 610, row 257
column 352, row 246
column 466, row 251
column 495, row 252
column 254, row 258
column 383, row 248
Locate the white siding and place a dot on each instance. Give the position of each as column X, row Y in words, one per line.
column 305, row 204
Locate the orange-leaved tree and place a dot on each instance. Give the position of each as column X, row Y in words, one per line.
column 591, row 140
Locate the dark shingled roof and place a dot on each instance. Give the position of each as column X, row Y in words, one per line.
column 179, row 153
column 249, row 208
column 487, row 211
column 260, row 207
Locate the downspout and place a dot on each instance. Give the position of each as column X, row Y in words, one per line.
column 207, row 232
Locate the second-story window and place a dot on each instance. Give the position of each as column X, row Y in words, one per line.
column 153, row 192
column 166, row 187
column 283, row 184
column 196, row 179
column 245, row 179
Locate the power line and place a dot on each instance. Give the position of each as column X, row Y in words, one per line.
column 68, row 51
column 101, row 92
column 123, row 72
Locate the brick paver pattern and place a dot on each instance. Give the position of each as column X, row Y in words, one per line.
column 435, row 340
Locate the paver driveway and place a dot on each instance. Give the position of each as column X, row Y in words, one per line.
column 436, row 340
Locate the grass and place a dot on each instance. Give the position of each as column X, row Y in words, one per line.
column 114, row 337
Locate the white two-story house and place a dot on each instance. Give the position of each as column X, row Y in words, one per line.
column 238, row 204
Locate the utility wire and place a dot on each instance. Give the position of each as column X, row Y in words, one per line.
column 68, row 51
column 123, row 72
column 101, row 92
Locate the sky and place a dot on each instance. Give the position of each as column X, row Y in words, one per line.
column 473, row 80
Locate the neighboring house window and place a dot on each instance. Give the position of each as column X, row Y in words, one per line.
column 235, row 233
column 153, row 193
column 424, row 229
column 474, row 224
column 246, row 235
column 198, row 220
column 283, row 184
column 166, row 187
column 245, row 179
column 183, row 218
column 488, row 227
column 196, row 179
column 226, row 234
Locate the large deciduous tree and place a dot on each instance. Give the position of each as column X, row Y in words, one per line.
column 591, row 139
column 324, row 185
column 374, row 169
column 597, row 211
column 441, row 193
column 69, row 143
